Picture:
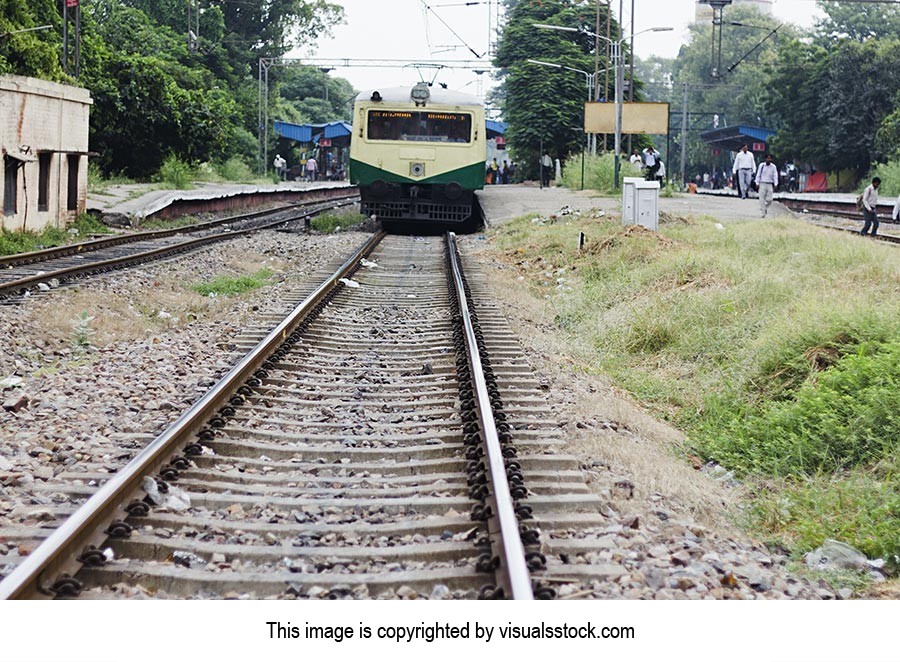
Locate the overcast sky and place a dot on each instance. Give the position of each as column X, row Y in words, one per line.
column 405, row 30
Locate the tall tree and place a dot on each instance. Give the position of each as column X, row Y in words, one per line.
column 540, row 104
column 858, row 21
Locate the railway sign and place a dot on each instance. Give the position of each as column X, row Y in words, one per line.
column 324, row 142
column 759, row 147
column 71, row 3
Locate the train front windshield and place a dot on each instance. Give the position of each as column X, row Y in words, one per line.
column 420, row 126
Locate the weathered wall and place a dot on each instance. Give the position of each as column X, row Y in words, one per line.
column 38, row 116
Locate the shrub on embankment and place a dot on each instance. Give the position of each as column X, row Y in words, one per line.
column 774, row 345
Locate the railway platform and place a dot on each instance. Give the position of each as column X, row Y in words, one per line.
column 127, row 205
column 506, row 202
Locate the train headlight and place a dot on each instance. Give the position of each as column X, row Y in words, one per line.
column 417, row 169
column 452, row 191
column 420, row 94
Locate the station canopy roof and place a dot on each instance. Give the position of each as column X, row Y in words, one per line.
column 312, row 133
column 732, row 137
column 495, row 128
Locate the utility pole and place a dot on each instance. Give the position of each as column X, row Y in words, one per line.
column 71, row 13
column 193, row 25
column 631, row 74
column 684, row 107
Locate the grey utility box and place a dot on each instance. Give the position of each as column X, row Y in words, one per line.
column 628, row 190
column 646, row 204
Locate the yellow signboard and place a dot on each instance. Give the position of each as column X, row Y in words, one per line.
column 636, row 117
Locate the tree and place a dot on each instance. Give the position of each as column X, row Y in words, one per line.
column 543, row 105
column 738, row 95
column 30, row 53
column 857, row 21
column 836, row 105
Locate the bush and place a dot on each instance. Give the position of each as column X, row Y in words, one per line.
column 175, row 173
column 234, row 170
column 845, row 417
column 599, row 172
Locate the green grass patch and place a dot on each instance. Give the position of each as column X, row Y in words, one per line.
column 175, row 173
column 26, row 242
column 233, row 285
column 335, row 221
column 773, row 345
column 599, row 172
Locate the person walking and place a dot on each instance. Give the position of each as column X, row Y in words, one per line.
column 504, row 172
column 546, row 166
column 636, row 159
column 651, row 160
column 870, row 207
column 312, row 168
column 744, row 165
column 280, row 166
column 767, row 181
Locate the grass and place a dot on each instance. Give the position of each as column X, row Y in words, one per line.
column 599, row 172
column 25, row 242
column 773, row 345
column 335, row 221
column 233, row 285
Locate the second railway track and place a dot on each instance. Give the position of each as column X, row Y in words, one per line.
column 351, row 464
column 43, row 270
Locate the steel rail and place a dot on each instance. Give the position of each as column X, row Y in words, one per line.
column 20, row 284
column 86, row 526
column 513, row 566
column 16, row 259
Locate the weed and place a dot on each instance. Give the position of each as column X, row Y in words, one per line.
column 24, row 242
column 233, row 285
column 176, row 173
column 335, row 221
column 81, row 338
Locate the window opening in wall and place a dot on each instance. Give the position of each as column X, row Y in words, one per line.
column 10, row 185
column 72, row 202
column 45, row 161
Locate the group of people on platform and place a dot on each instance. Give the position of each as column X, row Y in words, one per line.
column 650, row 162
column 494, row 173
column 764, row 178
column 309, row 169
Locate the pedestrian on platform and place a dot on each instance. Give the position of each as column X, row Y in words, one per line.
column 744, row 165
column 280, row 166
column 512, row 172
column 636, row 159
column 504, row 172
column 546, row 168
column 870, row 207
column 651, row 161
column 767, row 180
column 495, row 171
column 312, row 168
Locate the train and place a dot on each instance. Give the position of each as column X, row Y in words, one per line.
column 418, row 156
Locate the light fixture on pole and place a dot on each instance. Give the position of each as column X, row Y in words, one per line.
column 589, row 80
column 616, row 45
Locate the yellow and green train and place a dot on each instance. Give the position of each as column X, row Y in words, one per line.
column 418, row 155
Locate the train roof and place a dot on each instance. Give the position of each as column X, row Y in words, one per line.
column 438, row 95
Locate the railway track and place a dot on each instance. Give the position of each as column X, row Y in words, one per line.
column 358, row 450
column 47, row 269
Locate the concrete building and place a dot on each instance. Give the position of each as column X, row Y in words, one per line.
column 704, row 12
column 44, row 146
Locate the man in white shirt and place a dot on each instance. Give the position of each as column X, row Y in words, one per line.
column 546, row 165
column 744, row 165
column 651, row 160
column 767, row 180
column 636, row 159
column 870, row 205
column 280, row 166
column 312, row 168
